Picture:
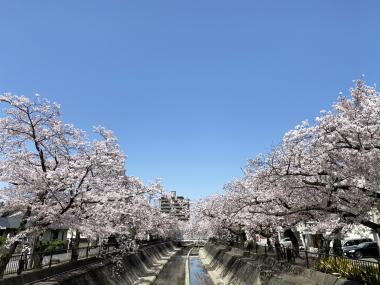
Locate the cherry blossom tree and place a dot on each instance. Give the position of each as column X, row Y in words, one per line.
column 128, row 214
column 329, row 168
column 51, row 170
column 54, row 174
column 326, row 172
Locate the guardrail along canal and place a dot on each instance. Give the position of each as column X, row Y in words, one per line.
column 174, row 272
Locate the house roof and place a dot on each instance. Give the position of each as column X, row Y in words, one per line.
column 13, row 222
column 10, row 222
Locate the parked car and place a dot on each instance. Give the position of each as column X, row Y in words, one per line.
column 286, row 242
column 352, row 244
column 365, row 249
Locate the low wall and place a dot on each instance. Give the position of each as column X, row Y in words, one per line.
column 228, row 265
column 141, row 267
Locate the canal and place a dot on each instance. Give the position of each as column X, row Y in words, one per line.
column 174, row 271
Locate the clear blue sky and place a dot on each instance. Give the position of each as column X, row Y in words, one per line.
column 191, row 88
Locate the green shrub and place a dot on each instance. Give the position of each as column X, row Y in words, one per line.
column 368, row 273
column 3, row 240
column 53, row 245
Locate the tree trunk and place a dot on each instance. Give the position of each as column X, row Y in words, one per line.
column 4, row 259
column 325, row 246
column 290, row 234
column 38, row 254
column 372, row 225
column 35, row 245
column 243, row 237
column 75, row 248
column 335, row 234
column 337, row 246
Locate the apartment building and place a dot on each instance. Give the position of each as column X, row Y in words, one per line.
column 178, row 206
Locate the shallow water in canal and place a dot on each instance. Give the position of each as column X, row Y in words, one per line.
column 174, row 271
column 198, row 273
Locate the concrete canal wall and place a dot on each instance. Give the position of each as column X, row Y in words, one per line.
column 229, row 266
column 139, row 268
column 225, row 265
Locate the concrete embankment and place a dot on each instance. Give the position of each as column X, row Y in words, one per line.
column 228, row 265
column 141, row 267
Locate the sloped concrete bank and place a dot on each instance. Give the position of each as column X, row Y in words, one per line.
column 138, row 268
column 229, row 266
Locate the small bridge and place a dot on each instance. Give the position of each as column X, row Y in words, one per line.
column 192, row 242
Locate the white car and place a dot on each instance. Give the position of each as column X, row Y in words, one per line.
column 286, row 242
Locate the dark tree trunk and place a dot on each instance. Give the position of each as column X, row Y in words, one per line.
column 243, row 237
column 4, row 258
column 36, row 251
column 38, row 254
column 374, row 226
column 325, row 246
column 290, row 234
column 337, row 247
column 75, row 248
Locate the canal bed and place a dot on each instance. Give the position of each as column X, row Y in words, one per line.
column 174, row 271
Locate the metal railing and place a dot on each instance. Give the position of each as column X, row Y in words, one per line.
column 258, row 249
column 365, row 271
column 312, row 259
column 39, row 260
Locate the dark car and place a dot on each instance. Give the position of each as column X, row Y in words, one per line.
column 365, row 249
column 353, row 243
